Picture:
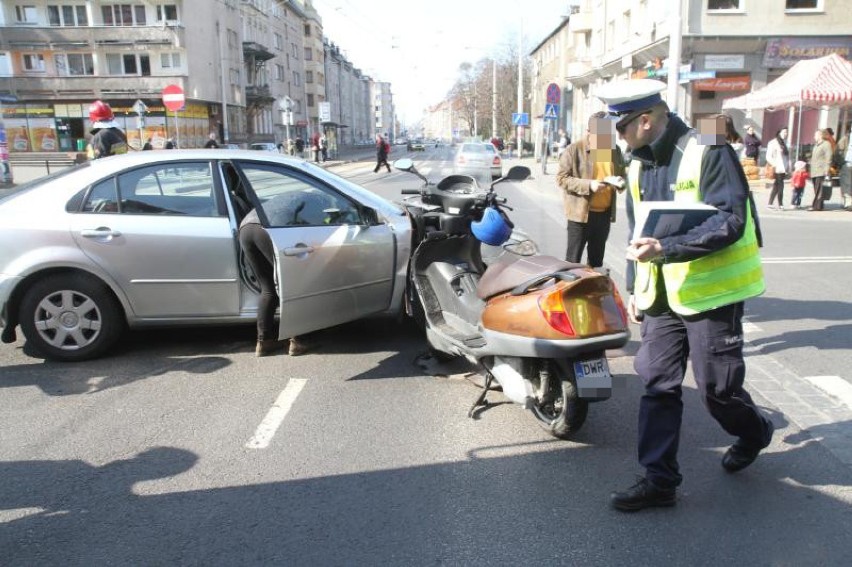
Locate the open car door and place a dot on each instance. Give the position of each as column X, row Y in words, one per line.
column 334, row 261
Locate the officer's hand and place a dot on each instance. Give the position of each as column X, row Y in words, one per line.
column 644, row 249
column 633, row 312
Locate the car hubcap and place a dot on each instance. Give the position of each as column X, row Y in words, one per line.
column 68, row 320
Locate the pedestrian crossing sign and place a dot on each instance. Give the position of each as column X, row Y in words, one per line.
column 551, row 111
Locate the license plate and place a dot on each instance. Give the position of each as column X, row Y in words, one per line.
column 591, row 369
column 593, row 378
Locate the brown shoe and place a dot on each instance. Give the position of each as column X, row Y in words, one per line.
column 265, row 348
column 297, row 347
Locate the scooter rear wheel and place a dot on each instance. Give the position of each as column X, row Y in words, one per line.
column 558, row 407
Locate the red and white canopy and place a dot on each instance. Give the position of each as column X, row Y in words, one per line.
column 811, row 82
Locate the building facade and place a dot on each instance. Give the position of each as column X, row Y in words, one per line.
column 237, row 65
column 727, row 48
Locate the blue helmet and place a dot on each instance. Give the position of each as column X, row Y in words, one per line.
column 493, row 229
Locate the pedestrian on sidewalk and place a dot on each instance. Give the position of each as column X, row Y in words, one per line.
column 591, row 170
column 845, row 149
column 778, row 156
column 324, row 148
column 752, row 144
column 820, row 162
column 687, row 289
column 799, row 180
column 382, row 152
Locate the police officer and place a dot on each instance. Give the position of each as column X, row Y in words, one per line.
column 107, row 137
column 688, row 289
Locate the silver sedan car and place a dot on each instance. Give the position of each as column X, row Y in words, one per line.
column 150, row 239
column 480, row 160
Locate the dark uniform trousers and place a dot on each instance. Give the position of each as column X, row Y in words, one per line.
column 594, row 233
column 713, row 341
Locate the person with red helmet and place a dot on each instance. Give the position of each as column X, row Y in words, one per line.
column 107, row 137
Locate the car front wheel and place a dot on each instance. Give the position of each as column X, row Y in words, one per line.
column 71, row 317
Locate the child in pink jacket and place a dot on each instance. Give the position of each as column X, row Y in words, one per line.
column 800, row 178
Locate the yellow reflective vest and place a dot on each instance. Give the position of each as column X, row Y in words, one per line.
column 720, row 278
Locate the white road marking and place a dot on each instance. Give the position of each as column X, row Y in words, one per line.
column 834, row 386
column 267, row 428
column 749, row 328
column 808, row 260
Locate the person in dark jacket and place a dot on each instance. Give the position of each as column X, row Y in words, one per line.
column 260, row 254
column 690, row 304
column 382, row 151
column 752, row 144
column 170, row 144
column 107, row 138
column 211, row 141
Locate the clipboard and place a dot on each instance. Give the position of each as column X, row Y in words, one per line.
column 660, row 219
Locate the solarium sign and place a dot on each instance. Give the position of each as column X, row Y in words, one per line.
column 786, row 52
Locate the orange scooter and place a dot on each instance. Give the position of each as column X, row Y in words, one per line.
column 538, row 325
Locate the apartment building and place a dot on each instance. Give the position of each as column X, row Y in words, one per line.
column 728, row 48
column 348, row 95
column 384, row 120
column 236, row 61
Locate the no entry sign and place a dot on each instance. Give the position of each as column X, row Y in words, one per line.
column 173, row 98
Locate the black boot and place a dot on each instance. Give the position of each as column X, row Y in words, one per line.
column 641, row 495
column 739, row 456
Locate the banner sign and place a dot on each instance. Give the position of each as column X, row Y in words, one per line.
column 724, row 84
column 787, row 51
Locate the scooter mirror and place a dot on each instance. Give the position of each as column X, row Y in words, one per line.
column 403, row 164
column 517, row 173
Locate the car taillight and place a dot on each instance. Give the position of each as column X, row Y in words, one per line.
column 621, row 309
column 553, row 309
column 496, row 160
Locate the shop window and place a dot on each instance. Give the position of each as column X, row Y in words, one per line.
column 706, row 95
column 809, row 5
column 725, row 5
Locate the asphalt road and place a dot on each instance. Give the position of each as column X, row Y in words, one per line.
column 150, row 456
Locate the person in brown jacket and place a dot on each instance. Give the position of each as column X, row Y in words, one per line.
column 591, row 170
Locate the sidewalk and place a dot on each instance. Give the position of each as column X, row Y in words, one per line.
column 759, row 187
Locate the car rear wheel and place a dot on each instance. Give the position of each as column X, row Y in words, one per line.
column 71, row 317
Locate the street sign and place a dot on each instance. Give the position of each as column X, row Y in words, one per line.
column 551, row 111
column 554, row 93
column 139, row 107
column 697, row 75
column 173, row 98
column 325, row 111
column 520, row 119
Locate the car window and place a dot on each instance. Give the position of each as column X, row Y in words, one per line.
column 473, row 148
column 288, row 199
column 103, row 198
column 183, row 188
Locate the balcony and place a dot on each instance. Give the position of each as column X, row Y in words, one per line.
column 256, row 51
column 581, row 22
column 39, row 38
column 259, row 95
column 73, row 88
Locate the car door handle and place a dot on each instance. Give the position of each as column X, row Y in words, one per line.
column 298, row 250
column 99, row 232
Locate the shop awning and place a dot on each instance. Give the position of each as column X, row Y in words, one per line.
column 826, row 81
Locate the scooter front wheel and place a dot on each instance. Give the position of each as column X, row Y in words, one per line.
column 558, row 406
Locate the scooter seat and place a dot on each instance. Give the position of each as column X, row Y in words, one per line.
column 511, row 271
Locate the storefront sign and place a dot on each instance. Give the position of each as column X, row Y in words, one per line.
column 724, row 62
column 724, row 84
column 786, row 52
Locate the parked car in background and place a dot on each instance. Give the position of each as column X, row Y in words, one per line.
column 474, row 157
column 149, row 239
column 417, row 146
column 264, row 146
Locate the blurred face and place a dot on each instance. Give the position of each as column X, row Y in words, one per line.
column 711, row 131
column 601, row 134
column 750, row 130
column 783, row 134
column 818, row 136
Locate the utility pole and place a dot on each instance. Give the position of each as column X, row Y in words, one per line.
column 675, row 43
column 520, row 85
column 225, row 133
column 494, row 98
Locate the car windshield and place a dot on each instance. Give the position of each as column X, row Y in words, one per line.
column 473, row 148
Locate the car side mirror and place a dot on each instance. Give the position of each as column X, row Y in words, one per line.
column 369, row 217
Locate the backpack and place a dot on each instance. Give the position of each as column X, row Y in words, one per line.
column 386, row 147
